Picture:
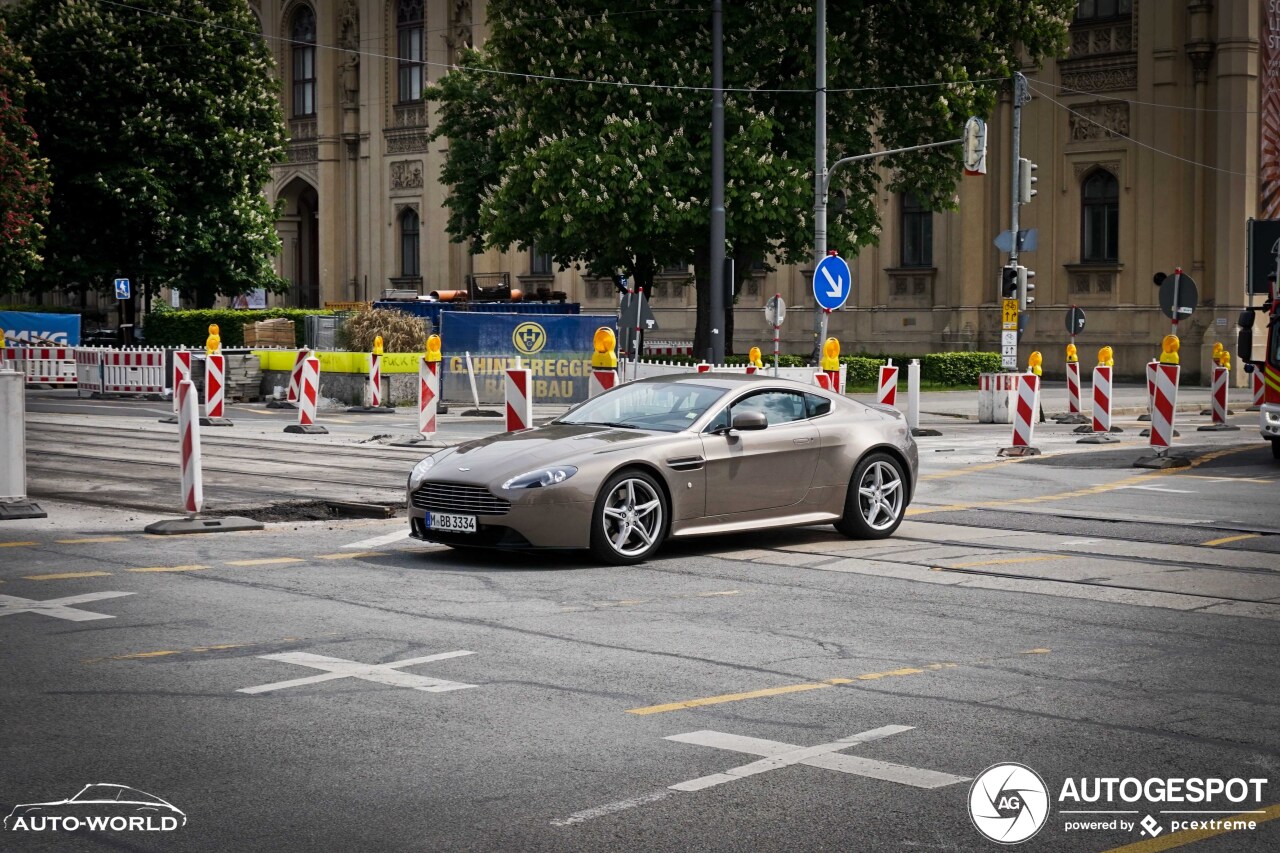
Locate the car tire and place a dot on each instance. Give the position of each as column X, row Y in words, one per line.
column 630, row 519
column 877, row 498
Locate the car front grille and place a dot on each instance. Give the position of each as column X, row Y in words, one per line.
column 457, row 497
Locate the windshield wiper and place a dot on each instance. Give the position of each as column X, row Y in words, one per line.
column 616, row 425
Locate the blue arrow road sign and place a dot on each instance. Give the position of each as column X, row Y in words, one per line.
column 122, row 288
column 832, row 282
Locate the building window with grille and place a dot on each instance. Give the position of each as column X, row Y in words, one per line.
column 1103, row 10
column 539, row 262
column 1100, row 218
column 409, row 244
column 409, row 28
column 917, row 233
column 303, row 36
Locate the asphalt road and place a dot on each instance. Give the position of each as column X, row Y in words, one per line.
column 1069, row 612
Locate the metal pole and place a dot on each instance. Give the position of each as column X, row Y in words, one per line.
column 1177, row 280
column 717, row 184
column 820, row 169
column 1019, row 92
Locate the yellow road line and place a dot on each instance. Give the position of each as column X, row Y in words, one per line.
column 736, row 697
column 17, row 544
column 197, row 649
column 61, row 576
column 348, row 555
column 714, row 594
column 1037, row 651
column 170, row 569
column 987, row 466
column 1224, row 540
column 1190, row 836
column 269, row 561
column 91, row 539
column 1002, row 562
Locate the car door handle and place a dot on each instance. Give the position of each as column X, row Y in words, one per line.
column 801, row 440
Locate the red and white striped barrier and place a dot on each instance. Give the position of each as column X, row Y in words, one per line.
column 133, row 372
column 1073, row 387
column 1151, row 389
column 215, row 387
column 295, row 376
column 308, row 398
column 1102, row 399
column 822, row 379
column 887, row 393
column 1164, row 381
column 1220, row 375
column 43, row 365
column 89, row 372
column 1024, row 416
column 189, row 432
column 997, row 397
column 602, row 380
column 702, row 367
column 428, row 396
column 1259, row 391
column 181, row 372
column 375, row 380
column 668, row 348
column 519, row 398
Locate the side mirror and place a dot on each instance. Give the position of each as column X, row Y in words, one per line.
column 745, row 421
column 1244, row 343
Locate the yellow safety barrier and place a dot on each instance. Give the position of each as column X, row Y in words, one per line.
column 1169, row 349
column 1105, row 358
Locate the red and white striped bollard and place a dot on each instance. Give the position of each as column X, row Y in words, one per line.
column 428, row 396
column 181, row 372
column 1220, row 409
column 1024, row 417
column 1259, row 390
column 215, row 390
column 519, row 396
column 189, row 431
column 308, row 399
column 887, row 393
column 1164, row 403
column 600, row 381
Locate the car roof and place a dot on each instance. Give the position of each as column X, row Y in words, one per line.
column 727, row 381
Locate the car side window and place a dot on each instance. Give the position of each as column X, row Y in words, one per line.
column 780, row 407
column 817, row 405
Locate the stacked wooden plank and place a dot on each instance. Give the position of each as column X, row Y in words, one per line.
column 277, row 332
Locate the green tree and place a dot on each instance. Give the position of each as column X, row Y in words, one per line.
column 587, row 132
column 24, row 176
column 160, row 120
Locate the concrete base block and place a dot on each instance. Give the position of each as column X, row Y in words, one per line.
column 1208, row 412
column 1160, row 462
column 371, row 410
column 172, row 419
column 1088, row 429
column 1218, row 428
column 281, row 404
column 1146, row 433
column 416, row 441
column 12, row 510
column 180, row 526
column 214, row 421
column 306, row 429
column 481, row 413
column 1073, row 418
column 925, row 431
column 1018, row 451
column 1144, row 417
column 1098, row 438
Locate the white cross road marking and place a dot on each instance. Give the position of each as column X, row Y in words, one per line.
column 58, row 608
column 1159, row 489
column 778, row 755
column 382, row 673
column 379, row 541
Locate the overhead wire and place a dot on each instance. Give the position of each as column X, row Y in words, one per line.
column 1071, row 90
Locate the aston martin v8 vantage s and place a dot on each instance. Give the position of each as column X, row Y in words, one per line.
column 672, row 456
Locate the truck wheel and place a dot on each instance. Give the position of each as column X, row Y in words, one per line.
column 1275, row 448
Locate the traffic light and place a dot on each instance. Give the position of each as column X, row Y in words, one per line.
column 1008, row 283
column 1026, row 180
column 1025, row 286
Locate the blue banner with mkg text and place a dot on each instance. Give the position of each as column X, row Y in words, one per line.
column 22, row 328
column 557, row 349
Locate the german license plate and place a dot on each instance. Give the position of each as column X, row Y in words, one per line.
column 451, row 522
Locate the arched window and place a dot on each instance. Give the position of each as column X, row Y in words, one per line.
column 409, row 265
column 409, row 26
column 1100, row 217
column 917, row 233
column 303, row 36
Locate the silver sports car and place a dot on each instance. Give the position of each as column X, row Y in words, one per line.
column 672, row 456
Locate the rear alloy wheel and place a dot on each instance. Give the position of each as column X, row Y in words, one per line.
column 877, row 498
column 630, row 519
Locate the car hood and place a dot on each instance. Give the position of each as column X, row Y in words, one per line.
column 516, row 452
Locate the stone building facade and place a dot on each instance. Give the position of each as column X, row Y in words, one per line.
column 1146, row 136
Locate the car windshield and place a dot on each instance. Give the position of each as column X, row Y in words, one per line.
column 97, row 792
column 660, row 406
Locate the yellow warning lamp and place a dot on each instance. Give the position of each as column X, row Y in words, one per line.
column 605, row 356
column 1169, row 349
column 1225, row 361
column 1105, row 358
column 213, row 343
column 377, row 345
column 1072, row 356
column 753, row 357
column 831, row 354
column 1217, row 353
column 433, row 348
column 1034, row 361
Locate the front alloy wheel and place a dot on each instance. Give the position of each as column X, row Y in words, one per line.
column 630, row 519
column 877, row 499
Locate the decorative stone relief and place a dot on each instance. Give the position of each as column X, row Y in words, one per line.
column 349, row 41
column 302, row 153
column 1101, row 79
column 302, row 128
column 411, row 115
column 406, row 143
column 1101, row 120
column 406, row 175
column 1093, row 39
column 458, row 35
column 402, row 206
column 1112, row 166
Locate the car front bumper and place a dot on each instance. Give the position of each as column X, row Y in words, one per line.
column 531, row 522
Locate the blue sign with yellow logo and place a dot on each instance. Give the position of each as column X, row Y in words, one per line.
column 556, row 348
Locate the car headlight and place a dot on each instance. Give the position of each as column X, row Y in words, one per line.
column 420, row 472
column 541, row 478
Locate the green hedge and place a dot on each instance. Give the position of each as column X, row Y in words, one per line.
column 938, row 368
column 170, row 328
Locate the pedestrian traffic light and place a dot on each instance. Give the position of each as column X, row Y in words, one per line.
column 1026, row 180
column 1008, row 283
column 1025, row 286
